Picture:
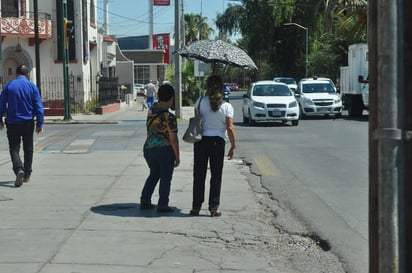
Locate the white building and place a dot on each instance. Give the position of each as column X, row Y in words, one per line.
column 97, row 67
column 85, row 53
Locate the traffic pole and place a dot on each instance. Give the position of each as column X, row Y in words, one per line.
column 390, row 137
column 178, row 60
column 1, row 58
column 37, row 44
column 65, row 50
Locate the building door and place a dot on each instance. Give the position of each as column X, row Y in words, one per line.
column 9, row 69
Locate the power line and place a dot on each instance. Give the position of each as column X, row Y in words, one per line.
column 129, row 24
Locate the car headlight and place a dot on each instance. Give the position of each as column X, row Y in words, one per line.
column 258, row 104
column 337, row 100
column 293, row 104
column 307, row 101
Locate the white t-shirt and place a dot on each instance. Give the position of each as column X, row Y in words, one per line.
column 150, row 87
column 214, row 123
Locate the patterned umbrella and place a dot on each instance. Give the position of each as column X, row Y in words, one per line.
column 217, row 52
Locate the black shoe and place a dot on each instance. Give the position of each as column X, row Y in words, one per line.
column 194, row 212
column 26, row 179
column 165, row 209
column 215, row 213
column 147, row 206
column 19, row 179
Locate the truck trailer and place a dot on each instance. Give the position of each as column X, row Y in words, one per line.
column 354, row 80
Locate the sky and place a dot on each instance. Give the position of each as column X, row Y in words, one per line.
column 130, row 17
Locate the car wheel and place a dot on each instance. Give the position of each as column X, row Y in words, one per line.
column 301, row 115
column 245, row 120
column 295, row 122
column 251, row 121
column 338, row 115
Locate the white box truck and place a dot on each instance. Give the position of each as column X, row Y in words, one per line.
column 354, row 84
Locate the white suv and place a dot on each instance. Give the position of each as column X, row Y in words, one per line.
column 317, row 96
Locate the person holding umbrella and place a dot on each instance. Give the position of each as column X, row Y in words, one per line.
column 217, row 119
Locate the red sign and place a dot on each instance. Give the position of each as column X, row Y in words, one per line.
column 162, row 42
column 161, row 2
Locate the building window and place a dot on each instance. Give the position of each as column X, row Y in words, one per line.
column 142, row 74
column 9, row 8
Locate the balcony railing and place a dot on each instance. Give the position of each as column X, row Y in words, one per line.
column 24, row 27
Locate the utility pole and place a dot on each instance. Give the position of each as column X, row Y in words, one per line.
column 178, row 60
column 37, row 44
column 390, row 136
column 150, row 25
column 1, row 58
column 64, row 28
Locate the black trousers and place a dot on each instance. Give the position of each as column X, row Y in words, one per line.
column 16, row 133
column 212, row 150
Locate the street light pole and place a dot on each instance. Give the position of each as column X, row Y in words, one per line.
column 306, row 30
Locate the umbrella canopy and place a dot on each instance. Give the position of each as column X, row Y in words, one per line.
column 217, row 52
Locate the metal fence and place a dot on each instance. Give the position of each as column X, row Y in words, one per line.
column 85, row 95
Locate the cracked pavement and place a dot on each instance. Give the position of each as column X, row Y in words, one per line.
column 80, row 213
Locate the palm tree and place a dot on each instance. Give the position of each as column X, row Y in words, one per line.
column 351, row 16
column 196, row 28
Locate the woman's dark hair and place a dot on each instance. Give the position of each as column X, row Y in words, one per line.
column 165, row 92
column 214, row 87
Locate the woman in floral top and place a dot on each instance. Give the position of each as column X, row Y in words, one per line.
column 161, row 150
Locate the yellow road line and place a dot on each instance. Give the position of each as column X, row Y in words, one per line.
column 265, row 166
column 38, row 148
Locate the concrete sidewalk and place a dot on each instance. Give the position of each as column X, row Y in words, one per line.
column 80, row 214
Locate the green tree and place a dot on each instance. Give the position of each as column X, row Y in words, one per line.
column 279, row 50
column 329, row 53
column 352, row 19
column 196, row 28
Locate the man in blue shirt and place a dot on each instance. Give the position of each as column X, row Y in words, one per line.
column 20, row 101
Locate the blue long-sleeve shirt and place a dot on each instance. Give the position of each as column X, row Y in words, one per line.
column 20, row 100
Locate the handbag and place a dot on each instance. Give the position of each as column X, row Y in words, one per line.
column 193, row 132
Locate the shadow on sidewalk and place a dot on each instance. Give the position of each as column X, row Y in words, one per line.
column 7, row 184
column 133, row 210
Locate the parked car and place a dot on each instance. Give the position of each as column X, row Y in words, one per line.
column 270, row 101
column 290, row 82
column 318, row 96
column 233, row 86
column 138, row 90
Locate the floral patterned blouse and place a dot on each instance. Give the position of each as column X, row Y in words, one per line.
column 159, row 122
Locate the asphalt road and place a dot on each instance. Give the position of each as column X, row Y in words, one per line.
column 319, row 171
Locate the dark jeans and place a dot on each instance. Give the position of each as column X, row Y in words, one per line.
column 161, row 163
column 209, row 149
column 17, row 133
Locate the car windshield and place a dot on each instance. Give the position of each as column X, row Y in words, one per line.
column 271, row 90
column 286, row 80
column 318, row 88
